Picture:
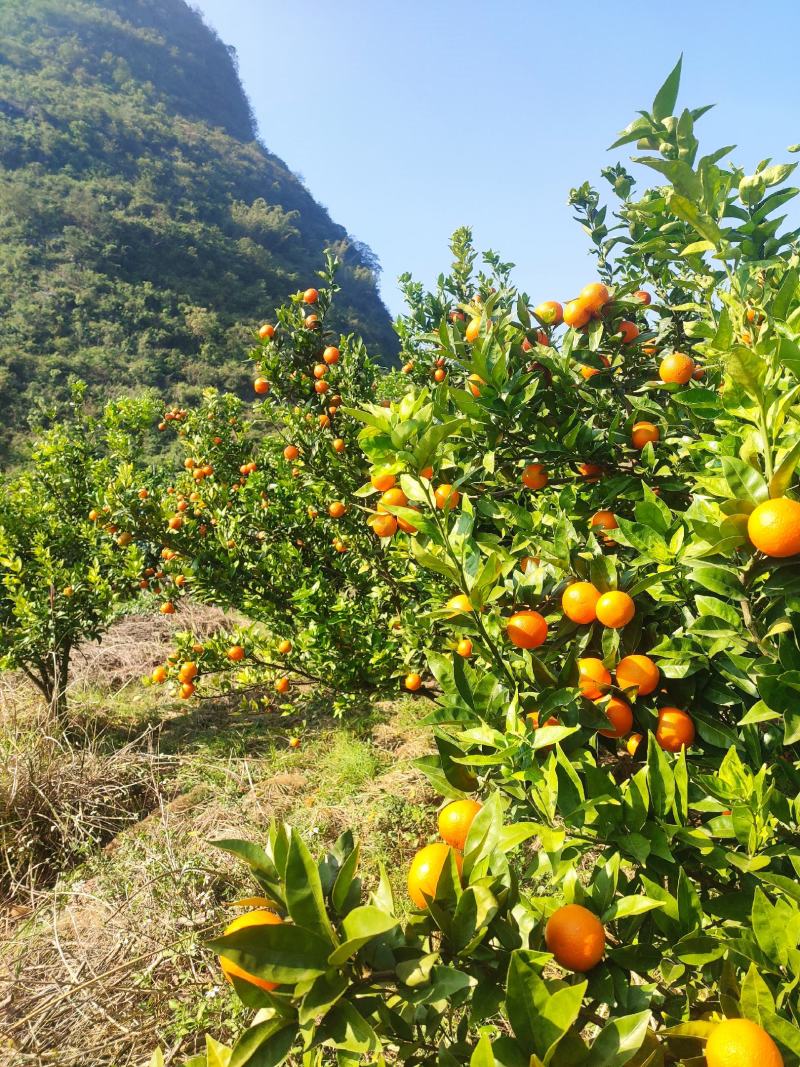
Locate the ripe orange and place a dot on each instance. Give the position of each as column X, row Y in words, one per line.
column 589, row 372
column 393, row 498
column 321, row 387
column 576, row 937
column 639, row 671
column 595, row 295
column 528, row 561
column 473, row 330
column 383, row 525
column 643, row 433
column 261, row 385
column 310, row 296
column 159, row 675
column 578, row 602
column 677, row 368
column 331, row 355
column 382, row 482
column 577, row 313
column 339, row 545
column 339, row 445
column 464, row 648
column 774, row 527
column 590, row 472
column 337, row 509
column 294, row 742
column 168, row 608
column 446, row 497
column 405, row 525
column 426, row 473
column 593, row 678
column 285, row 647
column 143, row 494
column 605, row 520
column 266, row 331
column 533, row 720
column 615, row 609
column 620, row 716
column 550, row 313
column 439, row 374
column 642, row 296
column 282, row 685
column 455, row 820
column 632, row 744
column 474, row 382
column 233, row 970
column 412, row 682
column 124, row 538
column 629, row 331
column 675, row 729
column 459, row 605
column 188, row 672
column 407, row 369
column 738, row 1042
column 235, row 653
column 186, row 690
column 534, row 476
column 526, row 629
column 175, row 522
column 425, row 871
column 320, row 370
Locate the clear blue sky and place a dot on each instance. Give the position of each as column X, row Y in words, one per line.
column 407, row 120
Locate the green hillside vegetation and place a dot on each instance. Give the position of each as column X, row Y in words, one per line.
column 143, row 228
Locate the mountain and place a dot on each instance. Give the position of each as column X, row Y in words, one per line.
column 143, row 228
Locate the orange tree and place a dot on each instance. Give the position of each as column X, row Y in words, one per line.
column 611, row 522
column 266, row 516
column 65, row 571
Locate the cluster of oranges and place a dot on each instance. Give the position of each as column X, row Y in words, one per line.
column 187, row 673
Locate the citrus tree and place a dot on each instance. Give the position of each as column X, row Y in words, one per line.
column 596, row 499
column 63, row 576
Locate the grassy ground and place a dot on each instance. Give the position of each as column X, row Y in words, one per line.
column 106, row 961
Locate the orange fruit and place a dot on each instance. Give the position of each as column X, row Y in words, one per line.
column 336, row 509
column 321, row 387
column 615, row 609
column 604, row 520
column 534, row 476
column 383, row 525
column 233, row 970
column 577, row 313
column 266, row 331
column 143, row 494
column 589, row 372
column 455, row 820
column 464, row 648
column 676, row 368
column 629, row 331
column 643, row 433
column 261, row 385
column 474, row 382
column 632, row 744
column 425, row 871
column 168, row 608
column 282, row 685
column 339, row 445
column 188, row 672
column 528, row 561
column 620, row 716
column 533, row 720
column 310, row 296
column 774, row 527
column 159, row 675
column 294, row 742
column 642, row 296
column 446, row 497
column 175, row 522
column 126, row 538
column 405, row 525
column 576, row 937
column 550, row 313
column 382, row 482
column 426, row 473
column 740, row 1042
column 186, row 690
column 593, row 678
column 331, row 355
column 407, row 369
column 526, row 629
column 412, row 682
column 285, row 647
column 439, row 374
column 320, row 370
column 590, row 472
column 393, row 498
column 235, row 653
column 595, row 295
column 675, row 729
column 639, row 671
column 473, row 330
column 578, row 602
column 459, row 605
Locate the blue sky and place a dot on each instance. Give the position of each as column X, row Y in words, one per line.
column 407, row 120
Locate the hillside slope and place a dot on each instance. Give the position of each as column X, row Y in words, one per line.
column 142, row 226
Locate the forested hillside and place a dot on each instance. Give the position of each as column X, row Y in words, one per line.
column 143, row 229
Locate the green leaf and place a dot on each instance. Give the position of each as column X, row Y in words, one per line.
column 782, row 478
column 744, row 481
column 266, row 1044
column 347, row 1029
column 619, row 1040
column 756, row 999
column 361, row 925
column 282, row 953
column 747, row 370
column 344, row 880
column 323, row 994
column 304, row 897
column 482, row 1055
column 538, row 1017
column 667, row 96
column 632, row 905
